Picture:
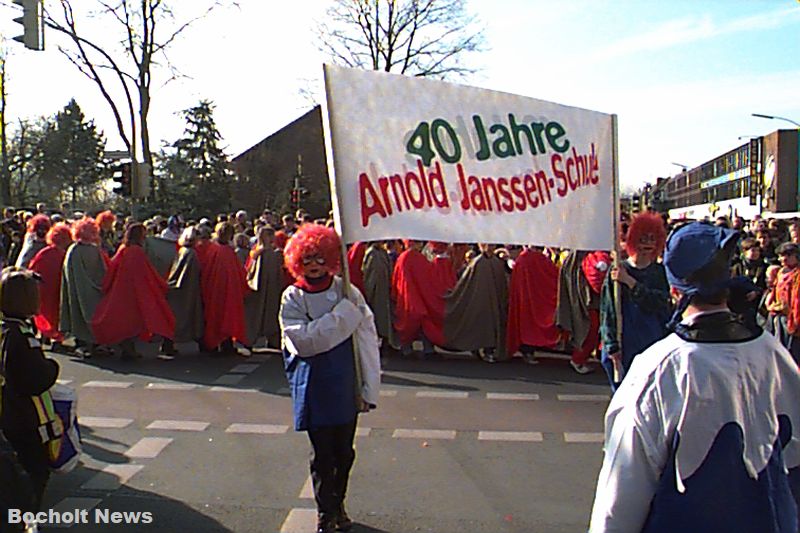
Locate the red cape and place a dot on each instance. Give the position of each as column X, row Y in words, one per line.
column 415, row 303
column 134, row 300
column 223, row 284
column 48, row 264
column 355, row 262
column 443, row 279
column 532, row 296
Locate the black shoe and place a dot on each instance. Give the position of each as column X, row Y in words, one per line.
column 343, row 522
column 325, row 524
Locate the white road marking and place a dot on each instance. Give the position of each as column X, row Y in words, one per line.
column 230, row 389
column 300, row 521
column 244, row 368
column 307, row 492
column 583, row 397
column 388, row 393
column 104, row 423
column 179, row 425
column 511, row 396
column 109, row 384
column 148, row 448
column 363, row 432
column 424, row 434
column 70, row 505
column 230, row 379
column 511, row 436
column 260, row 429
column 583, row 437
column 457, row 395
column 112, row 477
column 171, row 386
column 63, row 381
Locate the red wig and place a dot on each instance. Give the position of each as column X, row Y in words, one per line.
column 438, row 247
column 39, row 225
column 280, row 239
column 105, row 216
column 86, row 231
column 59, row 235
column 309, row 240
column 642, row 224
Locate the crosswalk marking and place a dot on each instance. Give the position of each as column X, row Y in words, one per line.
column 583, row 397
column 388, row 393
column 109, row 384
column 307, row 492
column 171, row 386
column 583, row 437
column 300, row 521
column 179, row 425
column 244, row 368
column 70, row 505
column 457, row 395
column 112, row 477
column 230, row 379
column 511, row 436
column 63, row 381
column 147, row 448
column 261, row 429
column 447, row 434
column 512, row 396
column 230, row 389
column 104, row 423
column 363, row 432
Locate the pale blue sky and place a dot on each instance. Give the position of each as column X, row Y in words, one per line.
column 683, row 75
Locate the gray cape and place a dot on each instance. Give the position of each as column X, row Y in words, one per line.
column 81, row 290
column 262, row 305
column 184, row 296
column 477, row 308
column 574, row 297
column 161, row 253
column 30, row 248
column 377, row 268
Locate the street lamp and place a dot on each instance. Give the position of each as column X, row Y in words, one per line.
column 683, row 167
column 797, row 125
column 749, row 137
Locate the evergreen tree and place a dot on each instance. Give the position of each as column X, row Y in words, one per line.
column 197, row 173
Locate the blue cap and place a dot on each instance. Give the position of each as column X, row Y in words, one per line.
column 693, row 246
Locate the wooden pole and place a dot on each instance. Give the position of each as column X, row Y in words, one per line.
column 617, row 293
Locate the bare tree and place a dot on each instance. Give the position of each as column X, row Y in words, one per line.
column 123, row 70
column 415, row 37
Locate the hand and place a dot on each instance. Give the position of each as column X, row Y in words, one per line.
column 620, row 275
column 616, row 357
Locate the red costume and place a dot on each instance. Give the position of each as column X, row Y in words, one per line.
column 532, row 297
column 48, row 263
column 134, row 300
column 594, row 267
column 223, row 284
column 415, row 302
column 355, row 261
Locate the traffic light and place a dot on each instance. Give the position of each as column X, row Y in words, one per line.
column 122, row 179
column 31, row 20
column 295, row 197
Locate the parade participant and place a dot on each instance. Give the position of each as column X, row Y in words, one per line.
column 443, row 280
column 49, row 264
column 532, row 297
column 267, row 280
column 26, row 373
column 173, row 229
column 280, row 240
column 241, row 244
column 573, row 317
column 355, row 264
column 477, row 308
column 224, row 285
column 594, row 268
column 81, row 286
column 643, row 286
column 35, row 239
column 108, row 237
column 134, row 303
column 768, row 311
column 787, row 299
column 378, row 292
column 702, row 433
column 318, row 325
column 413, row 301
column 184, row 295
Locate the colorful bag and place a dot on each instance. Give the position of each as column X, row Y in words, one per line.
column 65, row 452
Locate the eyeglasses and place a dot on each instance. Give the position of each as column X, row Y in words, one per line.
column 315, row 259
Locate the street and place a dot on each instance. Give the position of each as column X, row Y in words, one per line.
column 206, row 444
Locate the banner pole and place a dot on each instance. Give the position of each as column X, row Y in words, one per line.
column 617, row 293
column 337, row 216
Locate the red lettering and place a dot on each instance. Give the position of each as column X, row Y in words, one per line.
column 425, row 184
column 555, row 162
column 502, row 187
column 530, row 189
column 488, row 185
column 365, row 187
column 541, row 178
column 462, row 181
column 572, row 184
column 383, row 183
column 397, row 181
column 516, row 184
column 419, row 202
column 476, row 196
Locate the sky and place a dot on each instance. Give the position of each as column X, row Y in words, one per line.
column 683, row 76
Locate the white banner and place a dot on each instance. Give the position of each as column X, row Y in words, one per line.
column 429, row 160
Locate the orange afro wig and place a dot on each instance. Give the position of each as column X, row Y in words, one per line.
column 39, row 225
column 86, row 231
column 280, row 239
column 643, row 224
column 313, row 239
column 104, row 217
column 59, row 235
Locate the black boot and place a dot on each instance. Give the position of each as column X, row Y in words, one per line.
column 343, row 522
column 325, row 523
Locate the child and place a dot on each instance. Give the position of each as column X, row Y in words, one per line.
column 318, row 325
column 768, row 310
column 27, row 373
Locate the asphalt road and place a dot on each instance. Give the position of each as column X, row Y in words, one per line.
column 206, row 444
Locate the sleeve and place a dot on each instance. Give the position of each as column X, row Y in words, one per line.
column 608, row 318
column 635, row 453
column 369, row 356
column 28, row 369
column 307, row 337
